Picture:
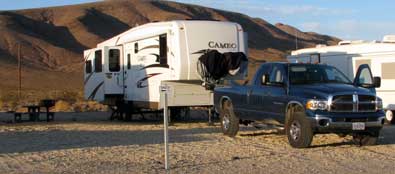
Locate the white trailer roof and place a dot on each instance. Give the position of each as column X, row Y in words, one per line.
column 153, row 29
column 360, row 48
column 137, row 32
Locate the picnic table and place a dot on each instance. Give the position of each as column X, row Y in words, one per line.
column 34, row 112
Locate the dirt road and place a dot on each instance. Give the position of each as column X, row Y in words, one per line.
column 86, row 146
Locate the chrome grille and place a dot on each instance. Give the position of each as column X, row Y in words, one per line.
column 353, row 103
column 366, row 103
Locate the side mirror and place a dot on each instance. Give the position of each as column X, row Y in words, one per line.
column 364, row 77
column 265, row 79
column 246, row 82
column 377, row 82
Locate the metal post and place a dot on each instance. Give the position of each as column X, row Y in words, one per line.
column 210, row 122
column 19, row 71
column 166, row 124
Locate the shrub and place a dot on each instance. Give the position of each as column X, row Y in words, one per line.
column 62, row 106
column 1, row 105
column 84, row 106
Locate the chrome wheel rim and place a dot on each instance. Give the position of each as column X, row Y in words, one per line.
column 389, row 116
column 295, row 130
column 226, row 121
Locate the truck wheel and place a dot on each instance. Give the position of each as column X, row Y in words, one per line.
column 299, row 131
column 229, row 120
column 365, row 139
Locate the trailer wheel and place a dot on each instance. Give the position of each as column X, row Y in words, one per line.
column 389, row 117
column 179, row 113
column 229, row 120
column 298, row 130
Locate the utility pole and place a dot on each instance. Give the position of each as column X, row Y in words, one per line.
column 19, row 71
column 296, row 39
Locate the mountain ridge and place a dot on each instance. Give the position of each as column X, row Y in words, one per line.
column 53, row 39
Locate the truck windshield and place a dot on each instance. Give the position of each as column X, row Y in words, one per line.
column 313, row 73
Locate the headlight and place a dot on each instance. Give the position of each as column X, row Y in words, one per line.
column 317, row 105
column 379, row 103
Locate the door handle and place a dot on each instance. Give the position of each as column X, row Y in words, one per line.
column 278, row 103
column 249, row 92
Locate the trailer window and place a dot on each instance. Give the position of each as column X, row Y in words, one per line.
column 128, row 61
column 114, row 60
column 315, row 58
column 388, row 71
column 98, row 61
column 163, row 49
column 88, row 66
column 360, row 62
column 136, row 47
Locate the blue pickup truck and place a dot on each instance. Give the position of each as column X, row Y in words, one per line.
column 307, row 99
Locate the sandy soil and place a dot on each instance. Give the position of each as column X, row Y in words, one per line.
column 90, row 144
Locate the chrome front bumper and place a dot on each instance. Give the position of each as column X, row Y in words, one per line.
column 321, row 123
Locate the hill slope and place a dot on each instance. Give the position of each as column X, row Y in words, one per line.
column 52, row 39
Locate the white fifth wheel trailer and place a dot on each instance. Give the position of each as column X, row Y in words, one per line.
column 132, row 66
column 348, row 55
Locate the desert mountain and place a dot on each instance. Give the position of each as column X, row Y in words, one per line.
column 310, row 37
column 52, row 39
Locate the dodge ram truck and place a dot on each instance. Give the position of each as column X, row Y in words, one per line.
column 306, row 99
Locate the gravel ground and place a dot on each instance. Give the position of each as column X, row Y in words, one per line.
column 87, row 143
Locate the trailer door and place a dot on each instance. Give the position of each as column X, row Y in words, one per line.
column 94, row 78
column 113, row 80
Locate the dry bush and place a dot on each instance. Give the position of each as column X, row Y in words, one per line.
column 63, row 106
column 1, row 105
column 85, row 106
column 9, row 106
column 67, row 100
column 69, row 96
column 9, row 97
column 95, row 106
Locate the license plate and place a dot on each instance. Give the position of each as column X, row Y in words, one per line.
column 358, row 126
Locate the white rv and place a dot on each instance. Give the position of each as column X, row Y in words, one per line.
column 132, row 66
column 348, row 55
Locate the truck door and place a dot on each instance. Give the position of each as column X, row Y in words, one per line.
column 277, row 97
column 113, row 70
column 256, row 95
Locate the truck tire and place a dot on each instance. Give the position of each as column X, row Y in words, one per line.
column 366, row 139
column 229, row 120
column 298, row 130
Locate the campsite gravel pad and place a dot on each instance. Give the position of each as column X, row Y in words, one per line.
column 117, row 147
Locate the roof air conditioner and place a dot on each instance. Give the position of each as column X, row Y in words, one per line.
column 344, row 42
column 389, row 39
column 320, row 45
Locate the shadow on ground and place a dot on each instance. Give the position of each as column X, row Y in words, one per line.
column 36, row 141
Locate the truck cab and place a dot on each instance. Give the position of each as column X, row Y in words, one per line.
column 307, row 99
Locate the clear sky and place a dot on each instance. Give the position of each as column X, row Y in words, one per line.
column 25, row 4
column 347, row 19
